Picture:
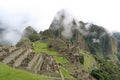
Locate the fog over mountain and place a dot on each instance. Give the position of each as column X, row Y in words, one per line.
column 11, row 28
column 16, row 15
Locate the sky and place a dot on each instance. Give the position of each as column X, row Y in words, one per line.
column 40, row 13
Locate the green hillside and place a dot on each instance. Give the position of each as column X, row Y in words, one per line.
column 8, row 73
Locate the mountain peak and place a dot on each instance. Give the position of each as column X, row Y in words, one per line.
column 62, row 19
column 29, row 28
column 28, row 32
column 66, row 22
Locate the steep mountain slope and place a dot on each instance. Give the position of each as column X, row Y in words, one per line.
column 81, row 43
column 29, row 35
column 68, row 50
column 86, row 36
column 117, row 36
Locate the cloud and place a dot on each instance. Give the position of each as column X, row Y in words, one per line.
column 18, row 14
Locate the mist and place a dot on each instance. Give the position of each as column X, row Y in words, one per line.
column 68, row 23
column 16, row 15
column 12, row 25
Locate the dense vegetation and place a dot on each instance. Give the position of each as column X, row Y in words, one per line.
column 106, row 71
column 80, row 57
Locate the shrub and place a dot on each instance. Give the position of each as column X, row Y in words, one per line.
column 106, row 71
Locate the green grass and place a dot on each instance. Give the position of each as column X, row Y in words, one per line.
column 60, row 60
column 88, row 60
column 66, row 74
column 8, row 73
column 70, row 67
column 43, row 47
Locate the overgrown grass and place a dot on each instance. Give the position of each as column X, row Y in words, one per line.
column 66, row 74
column 69, row 67
column 60, row 60
column 43, row 47
column 8, row 73
column 88, row 60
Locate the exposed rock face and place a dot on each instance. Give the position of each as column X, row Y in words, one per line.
column 116, row 35
column 67, row 36
column 64, row 23
column 86, row 36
